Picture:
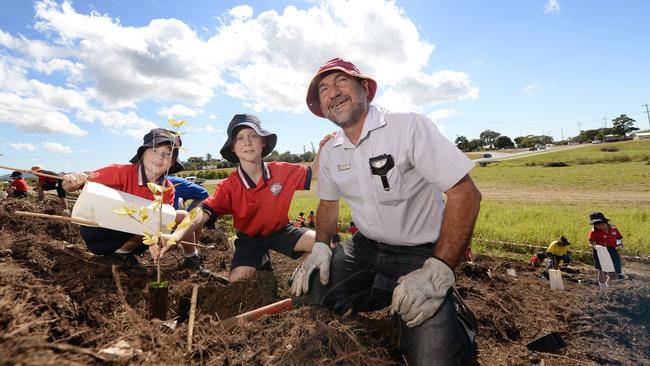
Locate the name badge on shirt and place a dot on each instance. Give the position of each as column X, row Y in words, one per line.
column 343, row 166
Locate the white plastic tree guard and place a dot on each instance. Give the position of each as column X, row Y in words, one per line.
column 605, row 259
column 97, row 202
column 555, row 278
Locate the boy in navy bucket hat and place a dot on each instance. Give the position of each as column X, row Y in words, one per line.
column 258, row 195
column 154, row 159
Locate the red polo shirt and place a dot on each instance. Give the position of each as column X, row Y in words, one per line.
column 605, row 238
column 262, row 208
column 130, row 178
column 20, row 184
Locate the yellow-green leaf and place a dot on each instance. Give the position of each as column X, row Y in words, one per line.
column 155, row 188
column 171, row 226
column 124, row 210
column 144, row 214
column 150, row 238
column 171, row 241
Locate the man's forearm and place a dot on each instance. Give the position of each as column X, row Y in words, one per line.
column 327, row 217
column 463, row 203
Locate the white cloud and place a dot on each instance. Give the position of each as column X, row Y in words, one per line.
column 34, row 115
column 413, row 93
column 241, row 12
column 178, row 110
column 119, row 123
column 206, row 129
column 552, row 6
column 266, row 61
column 23, row 146
column 56, row 147
column 163, row 60
column 441, row 114
column 532, row 89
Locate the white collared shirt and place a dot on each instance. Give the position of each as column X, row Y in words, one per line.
column 426, row 164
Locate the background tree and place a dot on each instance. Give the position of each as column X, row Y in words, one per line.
column 488, row 137
column 503, row 142
column 623, row 125
column 462, row 143
column 475, row 145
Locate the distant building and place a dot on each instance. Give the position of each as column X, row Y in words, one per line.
column 641, row 135
column 614, row 138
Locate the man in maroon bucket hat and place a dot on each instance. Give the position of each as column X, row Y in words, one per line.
column 392, row 169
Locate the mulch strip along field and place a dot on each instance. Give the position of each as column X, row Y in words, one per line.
column 58, row 304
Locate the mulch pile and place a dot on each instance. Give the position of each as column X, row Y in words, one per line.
column 61, row 305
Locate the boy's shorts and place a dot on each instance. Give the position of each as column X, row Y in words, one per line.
column 48, row 186
column 250, row 250
column 104, row 241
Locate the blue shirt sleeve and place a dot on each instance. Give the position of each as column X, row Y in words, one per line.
column 187, row 190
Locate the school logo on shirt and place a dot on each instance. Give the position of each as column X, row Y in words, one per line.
column 276, row 188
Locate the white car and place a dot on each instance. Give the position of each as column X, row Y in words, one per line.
column 596, row 142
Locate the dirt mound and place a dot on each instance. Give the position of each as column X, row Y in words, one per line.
column 60, row 304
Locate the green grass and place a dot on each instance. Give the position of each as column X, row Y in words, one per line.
column 589, row 169
column 631, row 176
column 540, row 223
column 638, row 150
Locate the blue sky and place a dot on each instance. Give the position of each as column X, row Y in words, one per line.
column 81, row 82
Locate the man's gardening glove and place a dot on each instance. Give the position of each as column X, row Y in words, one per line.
column 320, row 257
column 419, row 294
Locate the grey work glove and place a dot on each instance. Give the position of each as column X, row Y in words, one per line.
column 320, row 257
column 419, row 294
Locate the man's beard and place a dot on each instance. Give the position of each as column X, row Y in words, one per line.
column 358, row 109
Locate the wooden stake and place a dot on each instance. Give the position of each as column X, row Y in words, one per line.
column 190, row 325
column 74, row 220
column 32, row 172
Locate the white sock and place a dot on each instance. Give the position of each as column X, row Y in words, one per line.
column 122, row 251
column 602, row 285
column 191, row 254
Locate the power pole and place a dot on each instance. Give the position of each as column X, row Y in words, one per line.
column 605, row 121
column 647, row 112
column 579, row 127
column 562, row 133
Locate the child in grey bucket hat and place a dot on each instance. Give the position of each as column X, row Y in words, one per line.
column 258, row 195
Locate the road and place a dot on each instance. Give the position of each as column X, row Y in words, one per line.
column 499, row 156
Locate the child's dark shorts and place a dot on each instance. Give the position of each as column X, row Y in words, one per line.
column 60, row 192
column 104, row 241
column 250, row 250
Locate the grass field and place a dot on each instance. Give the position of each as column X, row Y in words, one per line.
column 531, row 221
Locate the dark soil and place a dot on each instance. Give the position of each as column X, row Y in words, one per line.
column 61, row 305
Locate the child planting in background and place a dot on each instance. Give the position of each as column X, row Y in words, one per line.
column 48, row 184
column 605, row 234
column 258, row 195
column 559, row 253
column 157, row 157
column 18, row 185
column 312, row 220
